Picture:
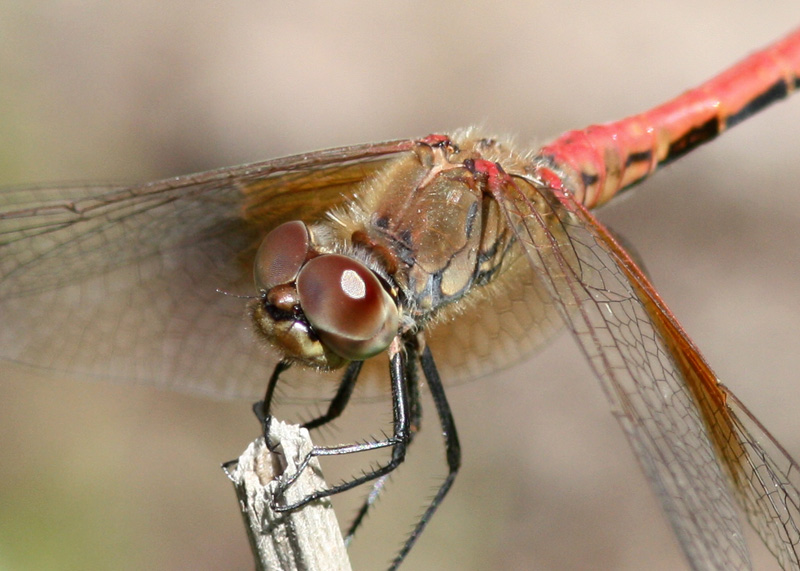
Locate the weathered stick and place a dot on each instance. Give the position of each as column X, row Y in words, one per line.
column 307, row 539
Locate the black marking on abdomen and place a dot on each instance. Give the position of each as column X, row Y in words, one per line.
column 691, row 140
column 588, row 179
column 776, row 91
column 640, row 157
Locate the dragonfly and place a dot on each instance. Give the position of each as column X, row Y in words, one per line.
column 432, row 259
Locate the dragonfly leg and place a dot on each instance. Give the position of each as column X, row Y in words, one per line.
column 452, row 450
column 415, row 415
column 398, row 441
column 262, row 407
column 342, row 397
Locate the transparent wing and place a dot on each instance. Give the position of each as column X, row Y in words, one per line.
column 498, row 325
column 607, row 305
column 768, row 482
column 122, row 283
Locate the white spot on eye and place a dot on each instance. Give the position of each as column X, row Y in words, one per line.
column 353, row 285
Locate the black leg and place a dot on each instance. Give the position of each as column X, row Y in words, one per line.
column 452, row 450
column 398, row 441
column 415, row 416
column 339, row 402
column 414, row 402
column 369, row 501
column 262, row 407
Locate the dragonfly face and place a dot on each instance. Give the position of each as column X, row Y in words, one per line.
column 319, row 309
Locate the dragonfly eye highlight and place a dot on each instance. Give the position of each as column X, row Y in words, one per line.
column 347, row 306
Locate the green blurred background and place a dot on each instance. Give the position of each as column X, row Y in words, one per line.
column 98, row 476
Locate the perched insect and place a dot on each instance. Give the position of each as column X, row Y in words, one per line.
column 371, row 260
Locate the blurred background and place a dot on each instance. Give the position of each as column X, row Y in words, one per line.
column 97, row 476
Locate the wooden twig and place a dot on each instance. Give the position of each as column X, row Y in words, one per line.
column 307, row 539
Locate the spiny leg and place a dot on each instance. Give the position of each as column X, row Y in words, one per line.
column 398, row 441
column 452, row 450
column 339, row 401
column 415, row 414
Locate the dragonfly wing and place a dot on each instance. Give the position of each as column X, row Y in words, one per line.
column 611, row 316
column 121, row 283
column 770, row 484
column 500, row 324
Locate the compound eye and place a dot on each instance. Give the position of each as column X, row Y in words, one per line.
column 347, row 306
column 281, row 255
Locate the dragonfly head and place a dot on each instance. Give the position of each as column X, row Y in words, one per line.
column 321, row 310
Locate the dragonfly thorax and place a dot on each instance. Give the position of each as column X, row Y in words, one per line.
column 319, row 309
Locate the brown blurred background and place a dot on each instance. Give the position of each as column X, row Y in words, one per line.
column 107, row 477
